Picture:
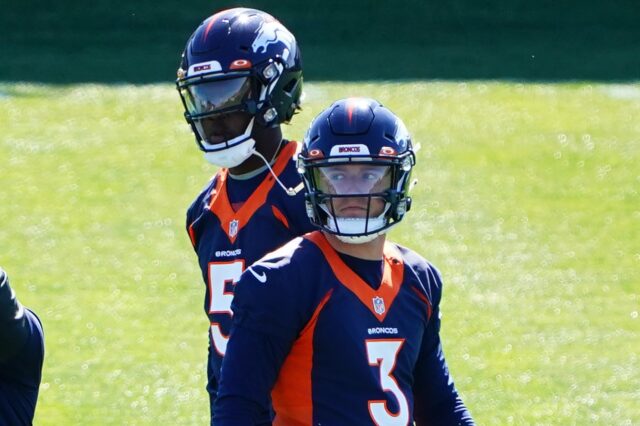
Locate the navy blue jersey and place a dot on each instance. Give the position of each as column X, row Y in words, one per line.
column 21, row 357
column 233, row 223
column 331, row 348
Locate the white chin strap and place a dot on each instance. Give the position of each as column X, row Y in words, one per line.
column 350, row 228
column 238, row 149
column 232, row 157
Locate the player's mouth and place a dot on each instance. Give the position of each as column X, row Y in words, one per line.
column 219, row 136
column 352, row 210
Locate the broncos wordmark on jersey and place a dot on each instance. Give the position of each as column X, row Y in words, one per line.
column 228, row 240
column 341, row 341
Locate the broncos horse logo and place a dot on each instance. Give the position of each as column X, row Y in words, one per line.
column 271, row 33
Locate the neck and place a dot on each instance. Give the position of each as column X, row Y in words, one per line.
column 373, row 250
column 268, row 141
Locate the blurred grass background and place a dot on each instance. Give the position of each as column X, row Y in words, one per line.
column 527, row 202
column 528, row 197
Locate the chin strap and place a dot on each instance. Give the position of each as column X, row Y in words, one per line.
column 289, row 191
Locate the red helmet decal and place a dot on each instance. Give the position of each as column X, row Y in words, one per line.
column 212, row 21
column 350, row 106
column 240, row 64
column 387, row 150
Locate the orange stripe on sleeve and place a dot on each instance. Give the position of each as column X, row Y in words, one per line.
column 425, row 300
column 291, row 395
column 192, row 235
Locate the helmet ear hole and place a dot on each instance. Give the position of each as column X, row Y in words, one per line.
column 251, row 107
column 290, row 86
column 402, row 207
column 292, row 91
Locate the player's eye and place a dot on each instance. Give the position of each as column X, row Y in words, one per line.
column 373, row 174
column 370, row 176
column 335, row 176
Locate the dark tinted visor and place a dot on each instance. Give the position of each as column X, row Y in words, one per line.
column 218, row 95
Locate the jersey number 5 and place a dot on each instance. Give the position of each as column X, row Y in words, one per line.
column 383, row 353
column 221, row 274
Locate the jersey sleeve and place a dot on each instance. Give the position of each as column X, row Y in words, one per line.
column 14, row 325
column 249, row 370
column 436, row 398
column 195, row 210
column 272, row 296
column 21, row 336
column 270, row 307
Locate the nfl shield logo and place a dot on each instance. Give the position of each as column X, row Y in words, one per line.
column 378, row 305
column 233, row 228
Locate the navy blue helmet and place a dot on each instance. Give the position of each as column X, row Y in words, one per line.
column 356, row 164
column 239, row 60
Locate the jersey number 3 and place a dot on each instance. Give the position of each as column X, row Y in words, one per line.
column 220, row 275
column 383, row 354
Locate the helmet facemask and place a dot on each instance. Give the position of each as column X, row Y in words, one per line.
column 209, row 100
column 357, row 199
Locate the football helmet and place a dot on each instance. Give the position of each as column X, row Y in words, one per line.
column 356, row 164
column 238, row 60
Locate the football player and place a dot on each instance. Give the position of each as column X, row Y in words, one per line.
column 240, row 78
column 340, row 326
column 21, row 357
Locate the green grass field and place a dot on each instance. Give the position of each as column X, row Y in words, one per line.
column 527, row 202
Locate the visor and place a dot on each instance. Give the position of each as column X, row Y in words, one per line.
column 353, row 178
column 216, row 95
